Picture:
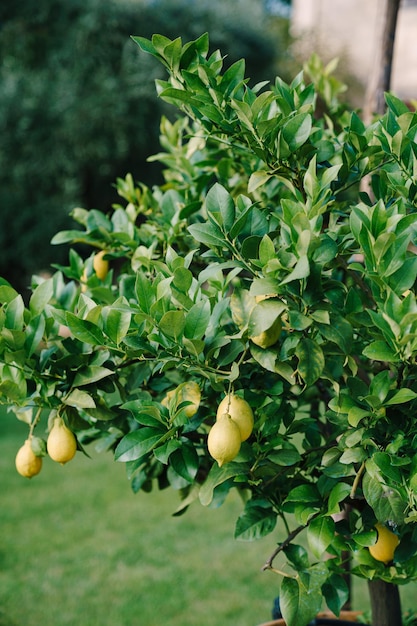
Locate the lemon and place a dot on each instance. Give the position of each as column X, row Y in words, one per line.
column 61, row 443
column 168, row 396
column 386, row 542
column 100, row 265
column 27, row 463
column 268, row 337
column 83, row 281
column 190, row 392
column 224, row 440
column 185, row 392
column 240, row 412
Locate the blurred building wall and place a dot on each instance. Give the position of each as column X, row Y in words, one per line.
column 349, row 29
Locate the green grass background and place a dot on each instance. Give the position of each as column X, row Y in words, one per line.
column 77, row 547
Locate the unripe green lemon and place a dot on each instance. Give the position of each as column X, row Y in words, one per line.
column 100, row 265
column 386, row 542
column 240, row 412
column 268, row 337
column 224, row 440
column 61, row 443
column 27, row 463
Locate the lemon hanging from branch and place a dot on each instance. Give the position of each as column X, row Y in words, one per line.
column 385, row 545
column 28, row 464
column 224, row 440
column 240, row 412
column 61, row 443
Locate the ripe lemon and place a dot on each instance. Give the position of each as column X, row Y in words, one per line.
column 268, row 337
column 27, row 463
column 386, row 542
column 240, row 412
column 100, row 265
column 61, row 443
column 224, row 440
column 83, row 281
column 190, row 392
column 185, row 392
column 167, row 397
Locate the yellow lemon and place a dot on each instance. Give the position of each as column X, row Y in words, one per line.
column 190, row 392
column 224, row 440
column 386, row 542
column 268, row 337
column 61, row 443
column 240, row 412
column 83, row 281
column 27, row 463
column 100, row 265
column 186, row 392
column 167, row 397
column 265, row 296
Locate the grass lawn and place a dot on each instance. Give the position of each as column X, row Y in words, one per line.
column 78, row 547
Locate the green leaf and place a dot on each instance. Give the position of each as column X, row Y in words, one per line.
column 386, row 502
column 320, row 534
column 297, row 130
column 301, row 270
column 216, row 476
column 285, row 457
column 79, row 399
column 144, row 292
column 91, row 374
column 257, row 520
column 185, row 462
column 257, row 179
column 337, row 495
column 116, row 323
column 336, row 593
column 15, row 314
column 41, row 296
column 208, row 234
column 136, row 444
column 264, row 314
column 401, row 396
column 197, row 320
column 172, row 324
column 340, row 332
column 301, row 600
column 310, row 360
column 7, row 294
column 84, row 330
column 218, row 200
column 380, row 351
column 34, row 333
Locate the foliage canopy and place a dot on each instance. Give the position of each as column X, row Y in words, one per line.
column 263, row 214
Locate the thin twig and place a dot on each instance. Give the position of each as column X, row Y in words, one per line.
column 282, row 546
column 357, row 480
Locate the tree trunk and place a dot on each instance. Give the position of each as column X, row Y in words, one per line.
column 381, row 76
column 385, row 603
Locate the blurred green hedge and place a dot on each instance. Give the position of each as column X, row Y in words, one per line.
column 78, row 105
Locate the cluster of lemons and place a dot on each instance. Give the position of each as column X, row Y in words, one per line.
column 61, row 446
column 234, row 420
column 234, row 424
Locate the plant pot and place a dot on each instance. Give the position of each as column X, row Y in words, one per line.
column 325, row 618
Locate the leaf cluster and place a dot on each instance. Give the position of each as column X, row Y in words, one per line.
column 263, row 215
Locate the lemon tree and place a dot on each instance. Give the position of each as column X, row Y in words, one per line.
column 276, row 263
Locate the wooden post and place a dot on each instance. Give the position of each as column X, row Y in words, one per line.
column 380, row 79
column 385, row 603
